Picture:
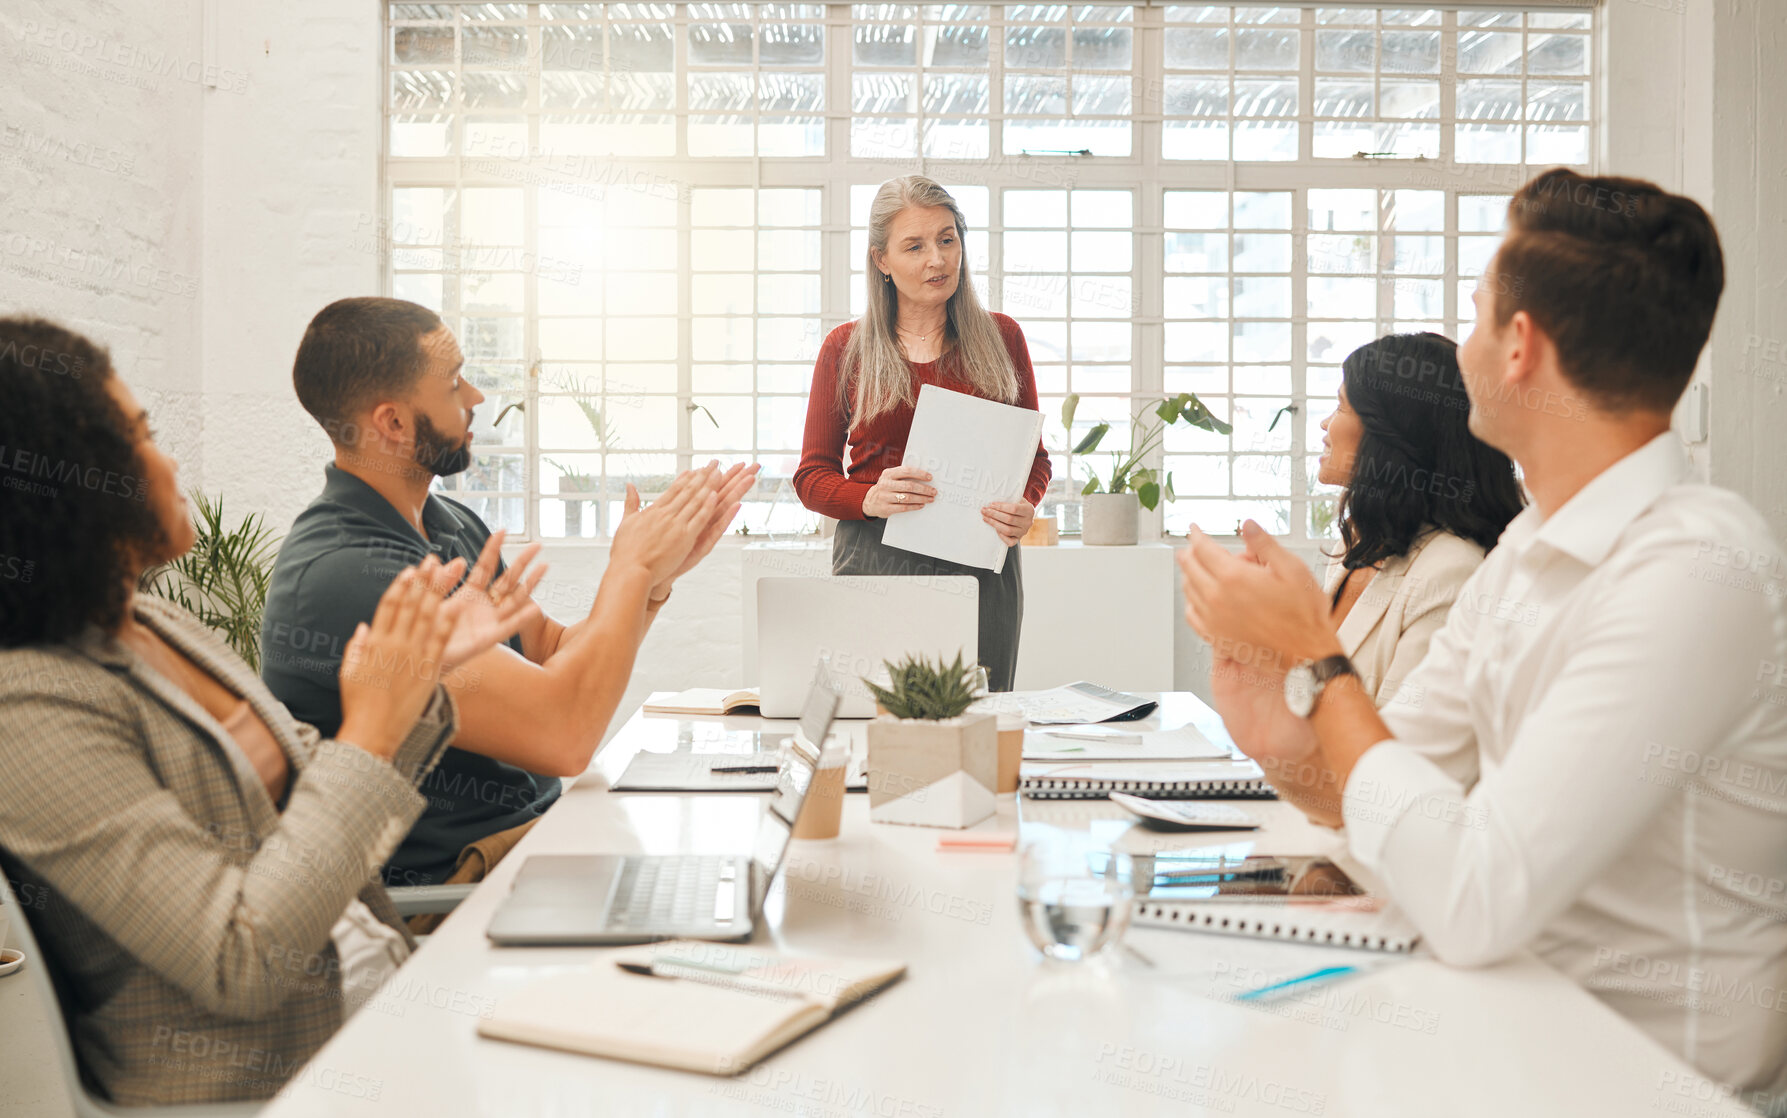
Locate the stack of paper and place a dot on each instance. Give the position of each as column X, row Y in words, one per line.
column 977, row 452
column 1073, row 703
column 1107, row 743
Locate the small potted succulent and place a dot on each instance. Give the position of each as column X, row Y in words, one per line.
column 931, row 763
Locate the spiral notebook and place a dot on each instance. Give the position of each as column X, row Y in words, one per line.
column 1197, row 780
column 1365, row 923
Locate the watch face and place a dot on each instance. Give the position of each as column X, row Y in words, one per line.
column 1300, row 690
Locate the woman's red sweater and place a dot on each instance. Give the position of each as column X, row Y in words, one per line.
column 822, row 482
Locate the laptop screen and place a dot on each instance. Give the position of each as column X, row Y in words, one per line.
column 796, row 779
column 779, row 816
column 817, row 712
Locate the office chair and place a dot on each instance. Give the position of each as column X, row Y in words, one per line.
column 36, row 973
column 410, row 901
column 417, row 900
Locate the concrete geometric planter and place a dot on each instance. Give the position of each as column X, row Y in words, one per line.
column 1109, row 519
column 933, row 774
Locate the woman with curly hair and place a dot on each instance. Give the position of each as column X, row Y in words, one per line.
column 211, row 863
column 1424, row 501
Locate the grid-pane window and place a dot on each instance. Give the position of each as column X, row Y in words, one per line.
column 755, row 300
column 608, row 78
column 1068, row 74
column 1231, row 86
column 1230, row 259
column 642, row 219
column 1068, row 278
column 756, row 79
column 608, row 347
column 920, row 74
column 1377, row 82
column 1523, row 91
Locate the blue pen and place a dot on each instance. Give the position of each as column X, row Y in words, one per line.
column 1299, row 980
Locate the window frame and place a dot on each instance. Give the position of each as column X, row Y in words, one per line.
column 1143, row 171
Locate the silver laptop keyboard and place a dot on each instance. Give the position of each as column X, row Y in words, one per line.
column 674, row 891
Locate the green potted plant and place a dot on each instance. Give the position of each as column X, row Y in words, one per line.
column 1110, row 507
column 574, row 481
column 931, row 763
column 223, row 579
column 577, row 489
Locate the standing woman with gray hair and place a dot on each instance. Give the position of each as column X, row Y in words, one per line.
column 924, row 325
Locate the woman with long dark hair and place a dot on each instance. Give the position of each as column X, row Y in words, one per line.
column 1424, row 500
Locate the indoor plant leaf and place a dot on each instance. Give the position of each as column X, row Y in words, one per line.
column 1090, row 443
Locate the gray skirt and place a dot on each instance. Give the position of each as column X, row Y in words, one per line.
column 857, row 549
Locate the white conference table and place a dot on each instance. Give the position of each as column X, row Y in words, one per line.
column 982, row 1025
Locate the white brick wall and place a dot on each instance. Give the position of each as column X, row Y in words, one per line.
column 101, row 189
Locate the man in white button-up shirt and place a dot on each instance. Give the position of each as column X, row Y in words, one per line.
column 1591, row 762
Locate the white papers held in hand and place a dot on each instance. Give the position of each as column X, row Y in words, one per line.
column 977, row 451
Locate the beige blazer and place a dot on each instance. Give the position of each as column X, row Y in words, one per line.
column 1388, row 629
column 187, row 921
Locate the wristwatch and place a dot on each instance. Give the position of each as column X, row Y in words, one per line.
column 1304, row 684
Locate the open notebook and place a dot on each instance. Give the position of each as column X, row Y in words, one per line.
column 714, row 701
column 710, row 1007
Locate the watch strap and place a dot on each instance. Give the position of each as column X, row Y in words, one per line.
column 1331, row 667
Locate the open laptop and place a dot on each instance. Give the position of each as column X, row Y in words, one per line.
column 638, row 898
column 854, row 623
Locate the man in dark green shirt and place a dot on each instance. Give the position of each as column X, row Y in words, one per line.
column 337, row 560
column 383, row 377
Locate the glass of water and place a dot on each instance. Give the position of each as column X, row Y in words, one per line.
column 1073, row 903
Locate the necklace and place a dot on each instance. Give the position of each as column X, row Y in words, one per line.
column 916, row 334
